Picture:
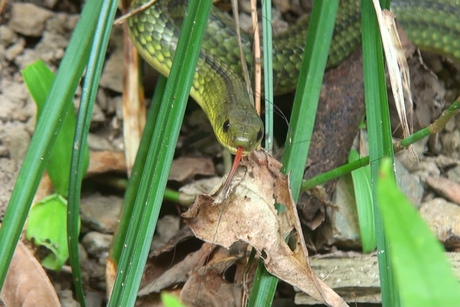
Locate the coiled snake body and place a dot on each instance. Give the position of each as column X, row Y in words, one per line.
column 218, row 87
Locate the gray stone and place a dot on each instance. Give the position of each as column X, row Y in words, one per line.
column 344, row 216
column 112, row 75
column 28, row 19
column 409, row 184
column 167, row 227
column 16, row 139
column 15, row 50
column 66, row 299
column 61, row 23
column 99, row 143
column 444, row 220
column 7, row 36
column 454, row 174
column 97, row 244
column 13, row 102
column 100, row 213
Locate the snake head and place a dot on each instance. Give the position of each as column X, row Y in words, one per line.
column 239, row 128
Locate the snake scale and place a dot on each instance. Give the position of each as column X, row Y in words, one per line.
column 218, row 88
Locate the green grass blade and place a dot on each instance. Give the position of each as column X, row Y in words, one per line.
column 363, row 196
column 268, row 72
column 334, row 173
column 90, row 87
column 422, row 271
column 137, row 171
column 42, row 142
column 302, row 120
column 159, row 158
column 379, row 130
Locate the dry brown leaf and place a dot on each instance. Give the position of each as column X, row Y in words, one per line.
column 248, row 214
column 105, row 161
column 206, row 287
column 185, row 168
column 26, row 282
column 212, row 282
column 178, row 273
column 398, row 70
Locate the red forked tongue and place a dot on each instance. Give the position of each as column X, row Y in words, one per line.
column 236, row 162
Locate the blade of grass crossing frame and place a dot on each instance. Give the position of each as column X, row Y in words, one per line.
column 302, row 120
column 268, row 72
column 136, row 174
column 424, row 275
column 57, row 104
column 379, row 130
column 161, row 151
column 89, row 92
column 363, row 198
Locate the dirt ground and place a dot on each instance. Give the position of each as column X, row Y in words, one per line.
column 32, row 30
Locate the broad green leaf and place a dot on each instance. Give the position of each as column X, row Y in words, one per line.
column 47, row 227
column 170, row 300
column 423, row 274
column 39, row 79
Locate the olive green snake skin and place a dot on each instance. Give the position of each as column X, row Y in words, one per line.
column 432, row 25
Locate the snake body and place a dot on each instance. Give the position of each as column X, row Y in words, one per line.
column 218, row 87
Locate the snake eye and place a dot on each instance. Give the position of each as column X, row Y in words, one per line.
column 259, row 135
column 226, row 125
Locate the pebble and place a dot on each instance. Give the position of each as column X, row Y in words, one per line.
column 97, row 244
column 28, row 19
column 454, row 174
column 167, row 227
column 101, row 212
column 16, row 140
column 444, row 220
column 7, row 36
column 112, row 78
column 13, row 51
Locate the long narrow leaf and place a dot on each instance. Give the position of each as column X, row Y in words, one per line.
column 90, row 87
column 268, row 72
column 159, row 158
column 136, row 174
column 379, row 130
column 363, row 196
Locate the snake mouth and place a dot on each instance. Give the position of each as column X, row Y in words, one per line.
column 244, row 143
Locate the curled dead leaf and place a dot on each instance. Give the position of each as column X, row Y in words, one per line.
column 26, row 282
column 248, row 214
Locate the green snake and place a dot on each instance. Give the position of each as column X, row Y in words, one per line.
column 432, row 25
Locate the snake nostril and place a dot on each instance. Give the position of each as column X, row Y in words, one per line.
column 226, row 125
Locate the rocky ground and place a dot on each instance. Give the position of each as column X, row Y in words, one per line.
column 41, row 29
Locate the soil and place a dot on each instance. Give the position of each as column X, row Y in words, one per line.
column 41, row 29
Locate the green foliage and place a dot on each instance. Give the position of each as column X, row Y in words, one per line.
column 155, row 172
column 39, row 80
column 423, row 274
column 170, row 300
column 47, row 227
column 363, row 195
